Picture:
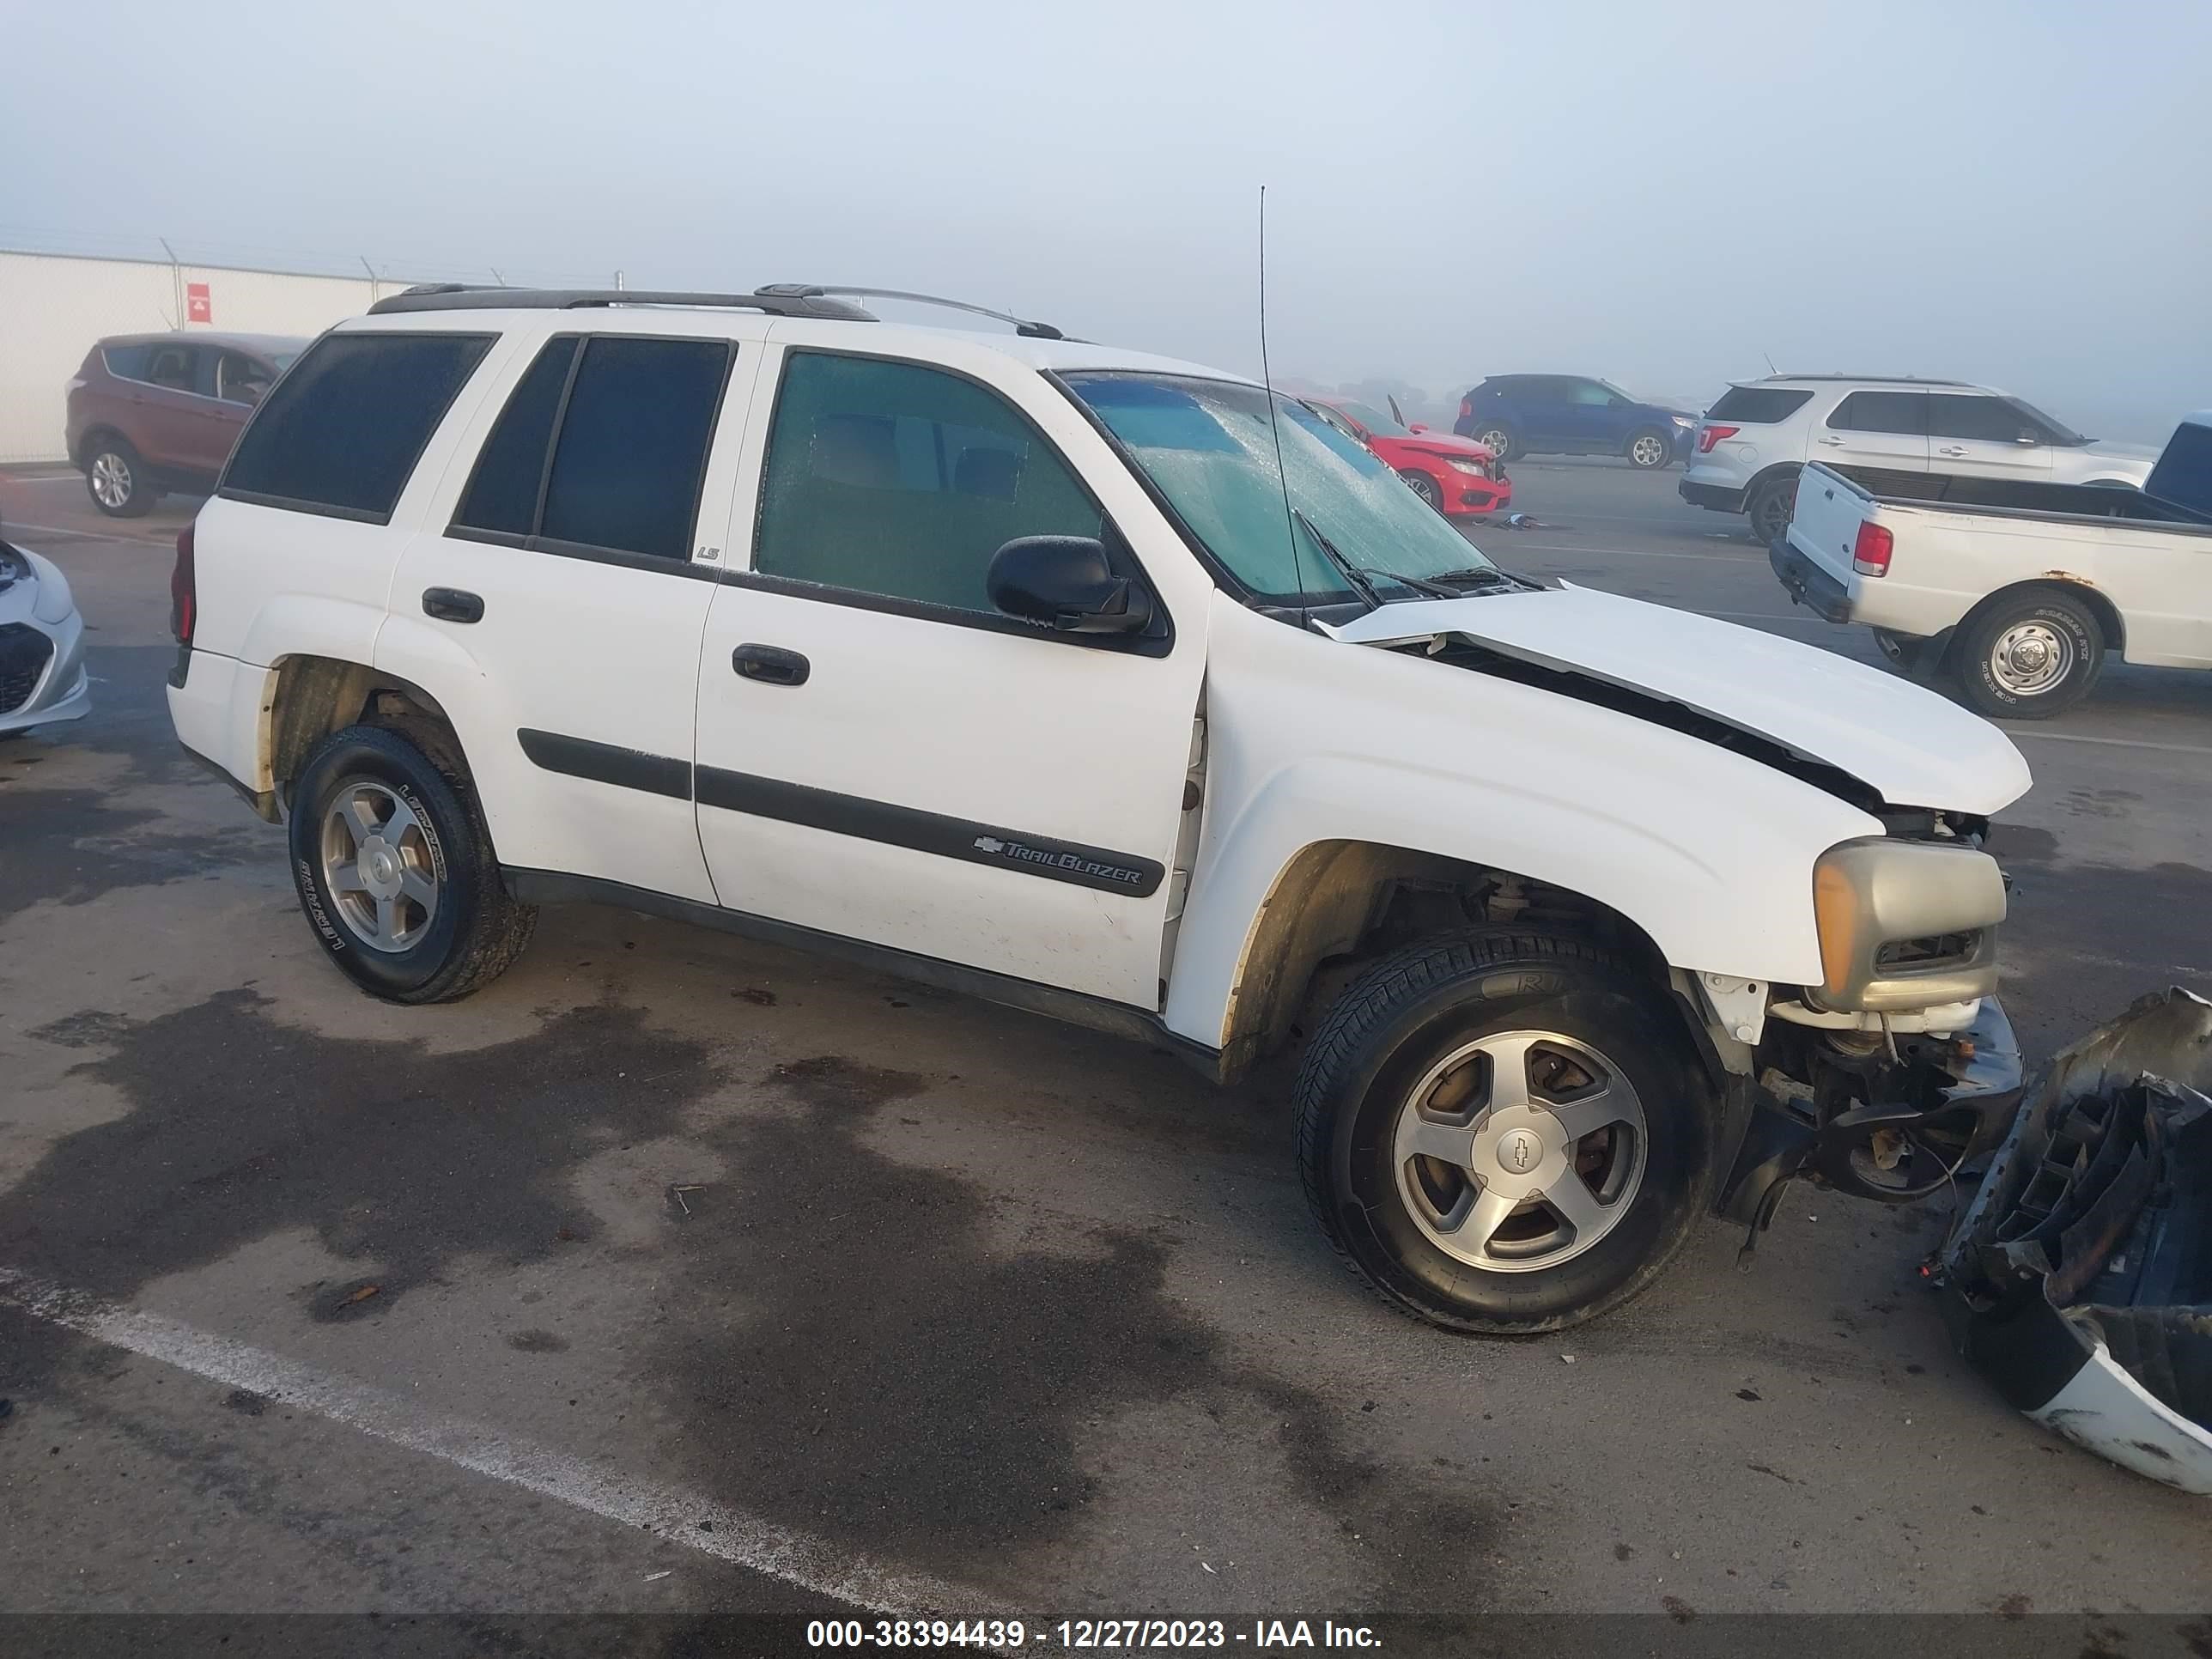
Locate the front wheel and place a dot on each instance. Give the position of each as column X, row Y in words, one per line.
column 395, row 868
column 1648, row 450
column 2031, row 659
column 1426, row 487
column 1504, row 1133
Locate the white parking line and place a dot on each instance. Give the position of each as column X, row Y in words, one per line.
column 2012, row 729
column 9, row 525
column 671, row 1514
column 1504, row 545
column 1769, row 616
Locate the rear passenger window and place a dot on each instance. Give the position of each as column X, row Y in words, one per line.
column 342, row 432
column 1758, row 405
column 1903, row 412
column 1991, row 420
column 632, row 451
column 502, row 493
column 894, row 479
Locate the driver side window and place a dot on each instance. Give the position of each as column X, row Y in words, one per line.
column 896, row 480
column 1589, row 393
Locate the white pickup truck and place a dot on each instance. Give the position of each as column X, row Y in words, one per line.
column 1121, row 690
column 2018, row 591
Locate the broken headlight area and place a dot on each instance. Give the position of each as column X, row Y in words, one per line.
column 1882, row 1114
column 2079, row 1280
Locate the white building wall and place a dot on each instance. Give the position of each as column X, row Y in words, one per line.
column 53, row 307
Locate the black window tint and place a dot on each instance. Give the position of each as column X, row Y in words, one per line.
column 632, row 445
column 894, row 479
column 1992, row 419
column 1758, row 405
column 127, row 362
column 346, row 428
column 1882, row 412
column 240, row 379
column 174, row 367
column 502, row 493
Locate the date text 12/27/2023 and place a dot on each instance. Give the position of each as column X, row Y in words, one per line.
column 1108, row 1635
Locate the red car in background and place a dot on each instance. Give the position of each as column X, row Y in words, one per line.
column 1456, row 475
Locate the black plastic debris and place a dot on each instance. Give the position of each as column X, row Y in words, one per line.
column 2080, row 1278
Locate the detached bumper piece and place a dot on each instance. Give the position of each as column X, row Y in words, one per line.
column 2079, row 1280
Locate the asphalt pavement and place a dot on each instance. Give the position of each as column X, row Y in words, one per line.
column 676, row 1275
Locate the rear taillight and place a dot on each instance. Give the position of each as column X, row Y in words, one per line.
column 1870, row 550
column 184, row 601
column 1709, row 435
column 1467, row 408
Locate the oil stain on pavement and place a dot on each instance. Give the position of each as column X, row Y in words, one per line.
column 857, row 1359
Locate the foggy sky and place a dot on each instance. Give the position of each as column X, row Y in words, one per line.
column 1664, row 194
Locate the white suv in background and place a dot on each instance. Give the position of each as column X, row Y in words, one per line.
column 1898, row 436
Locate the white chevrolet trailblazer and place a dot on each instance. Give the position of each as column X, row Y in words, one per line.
column 1009, row 663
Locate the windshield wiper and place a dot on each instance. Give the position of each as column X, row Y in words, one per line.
column 1484, row 577
column 1351, row 572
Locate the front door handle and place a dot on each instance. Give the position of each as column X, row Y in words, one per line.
column 452, row 604
column 1951, row 449
column 771, row 664
column 1835, row 442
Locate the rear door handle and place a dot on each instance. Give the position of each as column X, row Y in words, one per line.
column 452, row 604
column 1837, row 441
column 771, row 664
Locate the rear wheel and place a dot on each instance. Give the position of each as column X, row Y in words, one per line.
column 1770, row 508
column 1498, row 438
column 115, row 479
column 2030, row 658
column 395, row 868
column 1426, row 487
column 1504, row 1133
column 1648, row 450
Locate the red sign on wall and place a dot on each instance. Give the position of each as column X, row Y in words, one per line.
column 198, row 307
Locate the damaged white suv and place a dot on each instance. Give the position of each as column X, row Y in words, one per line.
column 1016, row 665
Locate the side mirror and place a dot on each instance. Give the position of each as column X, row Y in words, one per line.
column 1066, row 583
column 1416, row 426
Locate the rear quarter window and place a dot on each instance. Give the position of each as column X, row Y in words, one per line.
column 342, row 432
column 126, row 362
column 1758, row 405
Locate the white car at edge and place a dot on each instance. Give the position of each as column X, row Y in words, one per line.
column 1897, row 436
column 997, row 661
column 42, row 677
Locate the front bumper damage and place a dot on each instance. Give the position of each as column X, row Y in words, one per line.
column 2079, row 1280
column 1891, row 1118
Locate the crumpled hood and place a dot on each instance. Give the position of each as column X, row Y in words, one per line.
column 1912, row 747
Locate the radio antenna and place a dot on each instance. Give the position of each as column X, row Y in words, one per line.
column 1274, row 425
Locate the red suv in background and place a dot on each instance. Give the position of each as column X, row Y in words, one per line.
column 149, row 412
column 1456, row 475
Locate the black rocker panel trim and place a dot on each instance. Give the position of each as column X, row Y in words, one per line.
column 1096, row 867
column 971, row 842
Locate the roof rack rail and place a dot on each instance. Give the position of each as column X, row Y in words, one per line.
column 1874, row 380
column 1022, row 325
column 781, row 302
